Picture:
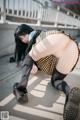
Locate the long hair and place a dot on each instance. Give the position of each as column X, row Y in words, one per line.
column 21, row 47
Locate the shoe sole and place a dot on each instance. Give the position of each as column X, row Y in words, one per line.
column 72, row 107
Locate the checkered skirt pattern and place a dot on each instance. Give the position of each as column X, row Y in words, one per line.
column 47, row 64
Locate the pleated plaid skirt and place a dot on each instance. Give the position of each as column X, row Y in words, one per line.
column 47, row 64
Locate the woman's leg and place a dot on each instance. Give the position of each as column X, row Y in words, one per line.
column 58, row 82
column 64, row 66
column 36, row 53
column 19, row 89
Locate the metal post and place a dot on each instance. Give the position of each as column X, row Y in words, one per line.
column 40, row 12
column 56, row 21
column 79, row 22
column 39, row 16
column 3, row 10
column 67, row 19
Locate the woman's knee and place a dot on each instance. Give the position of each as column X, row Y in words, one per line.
column 57, row 77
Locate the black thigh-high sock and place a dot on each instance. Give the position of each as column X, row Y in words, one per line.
column 26, row 68
column 58, row 83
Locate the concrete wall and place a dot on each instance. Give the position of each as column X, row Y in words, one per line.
column 7, row 37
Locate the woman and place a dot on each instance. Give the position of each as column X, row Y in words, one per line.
column 65, row 49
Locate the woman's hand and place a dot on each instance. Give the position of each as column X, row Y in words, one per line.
column 34, row 69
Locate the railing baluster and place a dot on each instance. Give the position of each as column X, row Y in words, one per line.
column 35, row 10
column 3, row 11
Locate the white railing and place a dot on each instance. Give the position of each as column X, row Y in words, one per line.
column 34, row 11
column 2, row 11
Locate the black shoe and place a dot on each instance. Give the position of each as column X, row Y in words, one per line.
column 21, row 93
column 12, row 59
column 71, row 108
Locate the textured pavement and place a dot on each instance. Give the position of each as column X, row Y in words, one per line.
column 45, row 103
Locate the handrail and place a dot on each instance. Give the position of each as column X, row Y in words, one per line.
column 34, row 11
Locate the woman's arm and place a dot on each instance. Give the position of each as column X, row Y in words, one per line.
column 32, row 39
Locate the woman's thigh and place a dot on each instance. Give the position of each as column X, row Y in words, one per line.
column 68, row 60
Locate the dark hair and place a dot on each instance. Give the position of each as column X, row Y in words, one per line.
column 23, row 29
column 21, row 47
